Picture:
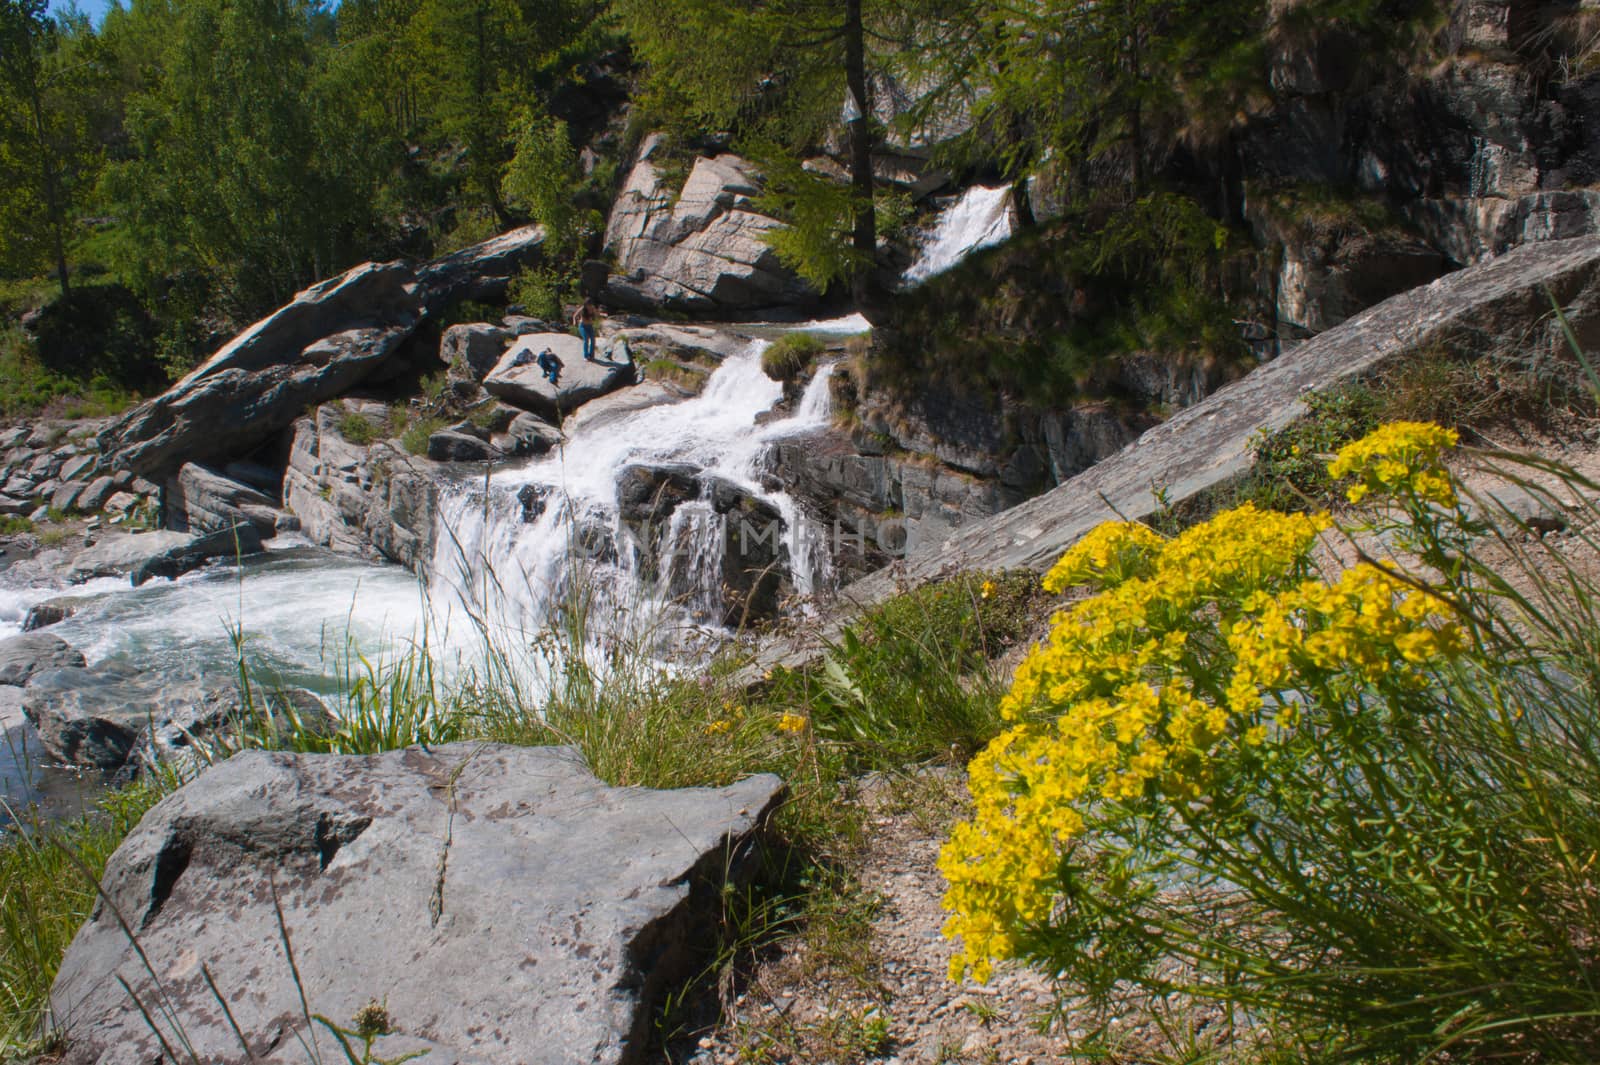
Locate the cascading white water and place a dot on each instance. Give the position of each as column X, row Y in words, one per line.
column 511, row 550
column 980, row 218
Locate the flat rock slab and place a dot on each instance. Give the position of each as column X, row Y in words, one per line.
column 508, row 907
column 527, row 387
column 34, row 652
column 118, row 554
column 103, row 718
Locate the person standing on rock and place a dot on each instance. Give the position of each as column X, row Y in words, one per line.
column 584, row 318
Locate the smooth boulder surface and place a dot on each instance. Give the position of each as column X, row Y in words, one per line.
column 34, row 652
column 579, row 382
column 100, row 718
column 235, row 541
column 118, row 554
column 507, row 907
column 472, row 350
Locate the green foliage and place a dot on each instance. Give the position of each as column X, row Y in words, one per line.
column 1378, row 845
column 1291, row 465
column 540, row 290
column 415, row 436
column 1050, row 315
column 786, row 358
column 27, row 387
column 541, row 176
column 46, row 893
column 358, row 428
column 819, row 213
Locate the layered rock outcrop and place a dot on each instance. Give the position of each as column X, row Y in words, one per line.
column 699, row 250
column 405, row 878
column 331, row 337
column 372, row 500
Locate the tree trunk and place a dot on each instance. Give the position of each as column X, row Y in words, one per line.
column 869, row 295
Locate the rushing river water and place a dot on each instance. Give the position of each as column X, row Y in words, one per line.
column 301, row 613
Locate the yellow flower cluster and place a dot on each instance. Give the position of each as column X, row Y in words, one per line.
column 789, row 722
column 1404, row 458
column 1139, row 689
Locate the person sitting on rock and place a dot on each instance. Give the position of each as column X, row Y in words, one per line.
column 551, row 365
column 584, row 318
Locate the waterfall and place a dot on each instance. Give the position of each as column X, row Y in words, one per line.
column 514, row 549
column 980, row 218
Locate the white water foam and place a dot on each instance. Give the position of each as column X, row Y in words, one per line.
column 981, row 217
column 512, row 575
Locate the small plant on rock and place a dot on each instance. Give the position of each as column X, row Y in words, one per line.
column 788, row 357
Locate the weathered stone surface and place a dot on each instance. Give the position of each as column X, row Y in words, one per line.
column 507, row 907
column 201, row 500
column 450, row 445
column 65, row 498
column 23, row 656
column 330, row 337
column 755, row 557
column 579, row 381
column 235, row 541
column 471, row 351
column 376, row 502
column 702, row 254
column 79, row 468
column 96, row 495
column 528, row 434
column 118, row 554
column 480, row 272
column 1499, row 308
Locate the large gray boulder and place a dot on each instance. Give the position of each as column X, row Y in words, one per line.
column 702, row 253
column 235, row 541
column 505, row 906
column 203, row 500
column 115, row 719
column 329, row 338
column 34, row 652
column 119, row 554
column 580, row 381
column 472, row 350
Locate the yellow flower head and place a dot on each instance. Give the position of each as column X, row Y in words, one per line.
column 987, row 591
column 1111, row 554
column 1399, row 459
column 791, row 722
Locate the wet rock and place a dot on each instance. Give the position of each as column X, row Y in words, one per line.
column 118, row 720
column 405, row 878
column 118, row 554
column 23, row 656
column 528, row 434
column 534, row 499
column 471, row 351
column 700, row 251
column 235, row 542
column 755, row 561
column 649, row 494
column 42, row 615
column 518, row 380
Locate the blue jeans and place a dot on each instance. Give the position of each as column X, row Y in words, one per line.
column 586, row 331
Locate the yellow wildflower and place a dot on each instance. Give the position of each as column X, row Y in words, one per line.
column 791, row 722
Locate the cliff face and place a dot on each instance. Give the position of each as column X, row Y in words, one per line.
column 1359, row 178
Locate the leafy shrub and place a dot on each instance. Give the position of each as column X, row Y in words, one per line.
column 786, row 358
column 1291, row 465
column 415, row 437
column 1358, row 809
column 539, row 290
column 358, row 428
